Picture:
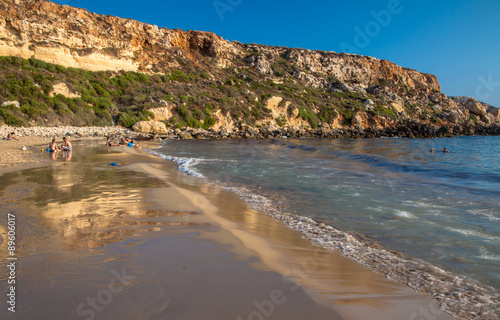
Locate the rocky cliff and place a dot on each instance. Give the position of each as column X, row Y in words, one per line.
column 222, row 85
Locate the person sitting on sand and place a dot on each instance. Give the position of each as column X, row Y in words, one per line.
column 67, row 145
column 124, row 142
column 53, row 146
column 12, row 136
column 131, row 144
column 109, row 143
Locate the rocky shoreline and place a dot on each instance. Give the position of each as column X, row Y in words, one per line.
column 408, row 130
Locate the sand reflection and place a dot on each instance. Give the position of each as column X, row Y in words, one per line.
column 97, row 222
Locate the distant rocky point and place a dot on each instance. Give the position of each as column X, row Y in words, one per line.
column 200, row 80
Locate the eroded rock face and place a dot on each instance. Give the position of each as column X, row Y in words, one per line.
column 150, row 127
column 75, row 37
column 62, row 88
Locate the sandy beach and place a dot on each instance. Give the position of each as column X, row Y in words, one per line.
column 12, row 155
column 142, row 240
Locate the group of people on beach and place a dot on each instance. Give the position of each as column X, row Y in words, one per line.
column 123, row 142
column 66, row 147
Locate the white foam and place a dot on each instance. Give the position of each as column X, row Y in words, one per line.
column 184, row 164
column 473, row 233
column 485, row 213
column 422, row 204
column 404, row 214
column 486, row 255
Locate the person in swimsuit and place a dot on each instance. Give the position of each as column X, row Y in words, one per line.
column 12, row 136
column 53, row 146
column 109, row 143
column 67, row 145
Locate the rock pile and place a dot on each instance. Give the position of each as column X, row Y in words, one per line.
column 408, row 130
column 68, row 131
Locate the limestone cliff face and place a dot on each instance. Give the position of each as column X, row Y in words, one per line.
column 75, row 37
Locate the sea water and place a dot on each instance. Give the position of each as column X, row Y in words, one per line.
column 442, row 208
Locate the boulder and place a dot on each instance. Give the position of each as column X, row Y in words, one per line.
column 185, row 135
column 273, row 102
column 161, row 114
column 494, row 114
column 344, row 87
column 260, row 63
column 435, row 98
column 150, row 127
column 398, row 106
column 62, row 88
column 15, row 103
column 475, row 107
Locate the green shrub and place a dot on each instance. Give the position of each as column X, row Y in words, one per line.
column 280, row 122
column 11, row 118
column 192, row 122
column 383, row 111
column 183, row 111
column 347, row 114
column 179, row 76
column 126, row 120
column 435, row 120
column 209, row 122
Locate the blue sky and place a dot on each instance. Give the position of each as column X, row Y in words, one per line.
column 456, row 40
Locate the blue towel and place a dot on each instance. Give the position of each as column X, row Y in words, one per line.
column 114, row 164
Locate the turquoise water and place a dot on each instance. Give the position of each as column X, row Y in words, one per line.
column 440, row 207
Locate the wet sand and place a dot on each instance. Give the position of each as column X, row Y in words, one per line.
column 144, row 241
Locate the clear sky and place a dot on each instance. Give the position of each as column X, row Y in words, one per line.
column 456, row 40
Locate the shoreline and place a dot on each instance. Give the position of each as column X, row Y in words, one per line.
column 278, row 257
column 457, row 295
column 310, row 270
column 409, row 130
